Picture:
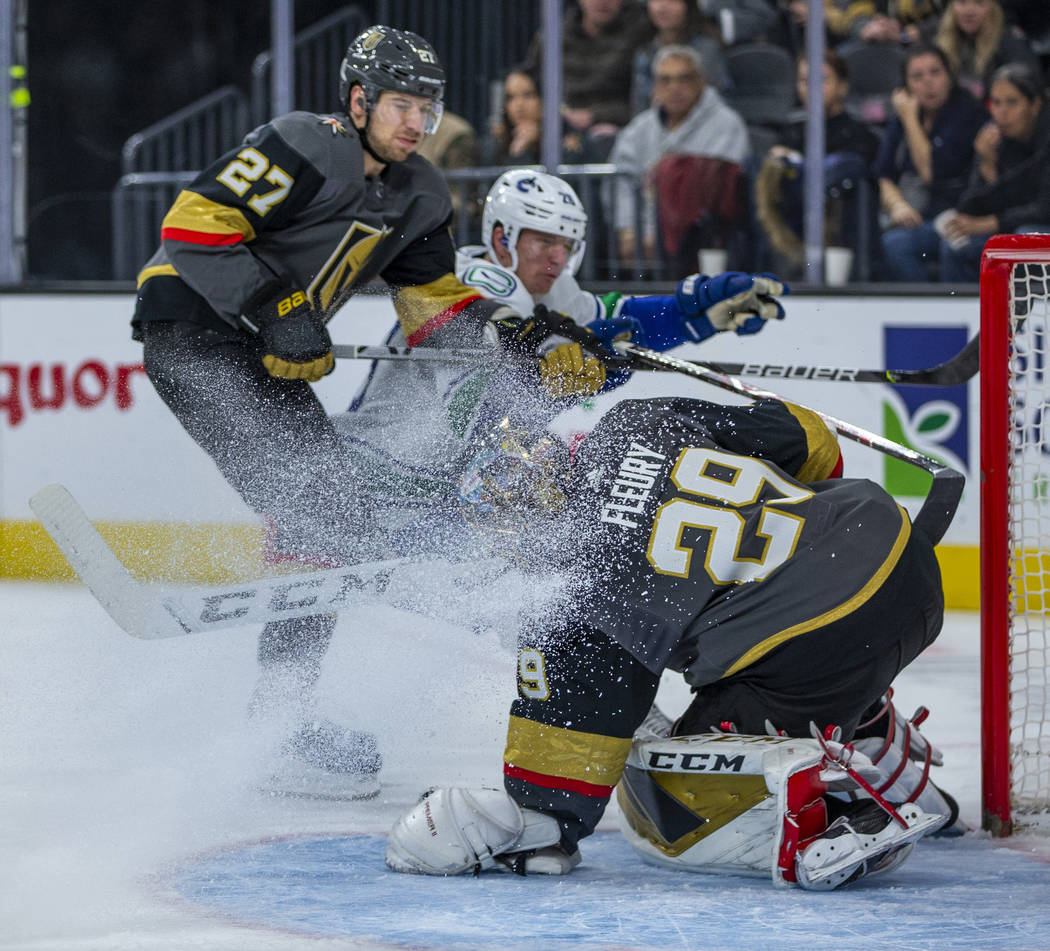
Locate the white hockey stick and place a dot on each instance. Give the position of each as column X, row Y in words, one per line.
column 156, row 611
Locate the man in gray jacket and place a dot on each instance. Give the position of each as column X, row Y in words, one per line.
column 688, row 117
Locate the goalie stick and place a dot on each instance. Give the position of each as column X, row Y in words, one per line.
column 158, row 611
column 953, row 372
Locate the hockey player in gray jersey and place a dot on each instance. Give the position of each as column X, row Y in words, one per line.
column 256, row 255
column 720, row 542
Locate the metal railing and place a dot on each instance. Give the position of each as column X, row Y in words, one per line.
column 141, row 199
column 139, row 203
column 191, row 138
column 318, row 51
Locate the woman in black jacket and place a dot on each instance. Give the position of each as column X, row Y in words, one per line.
column 1010, row 185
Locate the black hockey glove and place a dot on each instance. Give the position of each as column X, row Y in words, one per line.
column 295, row 340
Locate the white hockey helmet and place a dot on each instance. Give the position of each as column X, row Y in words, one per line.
column 522, row 198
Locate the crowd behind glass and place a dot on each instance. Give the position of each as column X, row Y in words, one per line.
column 936, row 133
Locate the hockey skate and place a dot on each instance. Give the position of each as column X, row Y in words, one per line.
column 313, row 757
column 322, row 760
column 864, row 840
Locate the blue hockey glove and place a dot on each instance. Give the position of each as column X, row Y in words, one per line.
column 651, row 322
column 620, row 327
column 731, row 301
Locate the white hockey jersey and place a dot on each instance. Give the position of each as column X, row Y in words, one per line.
column 499, row 283
column 419, row 422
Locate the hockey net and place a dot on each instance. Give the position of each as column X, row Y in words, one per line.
column 1015, row 533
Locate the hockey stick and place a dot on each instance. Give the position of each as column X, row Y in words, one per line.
column 157, row 611
column 960, row 368
column 941, row 501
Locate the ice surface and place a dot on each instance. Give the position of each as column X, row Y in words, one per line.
column 130, row 814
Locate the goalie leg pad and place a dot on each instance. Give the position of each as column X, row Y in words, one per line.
column 452, row 831
column 903, row 757
column 718, row 803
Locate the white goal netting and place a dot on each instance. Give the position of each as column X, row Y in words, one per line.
column 1028, row 515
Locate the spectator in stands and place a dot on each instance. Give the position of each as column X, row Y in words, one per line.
column 850, row 147
column 516, row 138
column 687, row 117
column 882, row 21
column 675, row 22
column 454, row 145
column 1010, row 187
column 599, row 38
column 977, row 41
column 924, row 160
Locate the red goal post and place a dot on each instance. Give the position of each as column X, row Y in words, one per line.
column 1015, row 533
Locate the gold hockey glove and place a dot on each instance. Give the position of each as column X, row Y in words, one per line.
column 296, row 345
column 565, row 371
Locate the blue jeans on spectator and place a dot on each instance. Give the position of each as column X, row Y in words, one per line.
column 907, row 252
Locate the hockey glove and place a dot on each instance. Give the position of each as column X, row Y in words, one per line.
column 296, row 345
column 621, row 328
column 565, row 371
column 731, row 301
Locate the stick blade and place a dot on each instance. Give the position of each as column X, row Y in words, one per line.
column 124, row 599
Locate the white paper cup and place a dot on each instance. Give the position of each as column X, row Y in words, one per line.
column 837, row 265
column 712, row 261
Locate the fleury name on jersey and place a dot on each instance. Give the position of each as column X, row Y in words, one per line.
column 632, row 486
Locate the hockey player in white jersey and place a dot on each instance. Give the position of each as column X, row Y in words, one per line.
column 534, row 229
column 419, row 421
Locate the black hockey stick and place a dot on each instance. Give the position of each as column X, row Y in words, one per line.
column 960, row 368
column 938, row 509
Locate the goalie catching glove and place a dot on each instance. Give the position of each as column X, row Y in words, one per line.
column 296, row 345
column 452, row 831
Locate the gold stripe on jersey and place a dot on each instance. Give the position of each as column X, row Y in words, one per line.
column 821, row 442
column 424, row 309
column 156, row 271
column 572, row 754
column 195, row 213
column 847, row 607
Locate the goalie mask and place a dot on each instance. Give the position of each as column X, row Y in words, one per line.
column 384, row 59
column 507, row 481
column 523, row 199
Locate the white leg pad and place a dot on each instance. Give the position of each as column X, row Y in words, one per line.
column 451, row 831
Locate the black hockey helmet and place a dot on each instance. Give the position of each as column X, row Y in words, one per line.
column 385, row 58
